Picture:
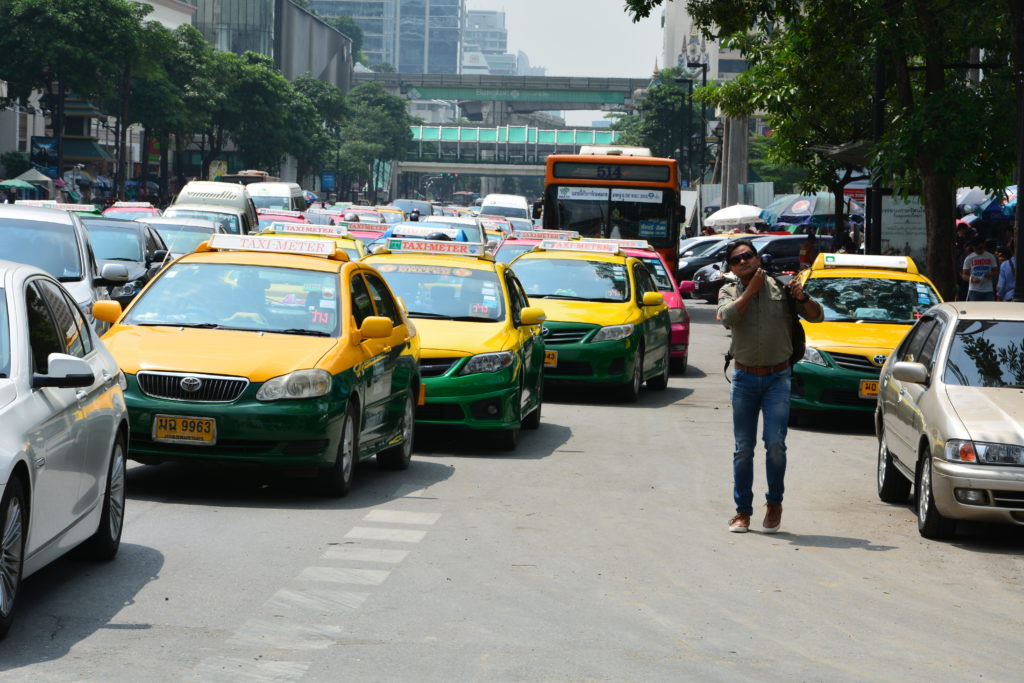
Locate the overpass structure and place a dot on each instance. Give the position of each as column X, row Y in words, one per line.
column 507, row 145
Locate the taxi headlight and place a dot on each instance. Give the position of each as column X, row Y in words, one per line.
column 959, row 450
column 488, row 362
column 677, row 315
column 811, row 355
column 613, row 333
column 294, row 385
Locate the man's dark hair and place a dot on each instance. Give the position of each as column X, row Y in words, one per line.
column 975, row 241
column 731, row 246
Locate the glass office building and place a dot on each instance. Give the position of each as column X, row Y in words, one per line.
column 237, row 25
column 376, row 18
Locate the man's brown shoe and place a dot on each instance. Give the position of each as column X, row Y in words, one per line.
column 740, row 524
column 772, row 518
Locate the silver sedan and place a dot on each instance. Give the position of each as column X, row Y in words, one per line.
column 950, row 417
column 63, row 432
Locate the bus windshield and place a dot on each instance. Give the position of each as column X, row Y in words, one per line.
column 617, row 213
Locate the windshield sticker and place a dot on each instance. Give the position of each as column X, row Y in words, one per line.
column 428, row 270
column 655, row 228
column 624, row 194
column 320, row 317
column 386, row 268
column 585, row 194
column 462, row 272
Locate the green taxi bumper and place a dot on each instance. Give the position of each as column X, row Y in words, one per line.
column 298, row 433
column 485, row 400
column 581, row 360
column 818, row 388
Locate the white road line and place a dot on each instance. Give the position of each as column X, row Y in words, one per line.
column 353, row 553
column 266, row 635
column 379, row 534
column 231, row 669
column 398, row 517
column 315, row 599
column 363, row 577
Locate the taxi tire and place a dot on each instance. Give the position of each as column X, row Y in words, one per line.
column 630, row 391
column 679, row 365
column 399, row 456
column 507, row 439
column 103, row 545
column 14, row 502
column 893, row 487
column 336, row 481
column 660, row 383
column 532, row 420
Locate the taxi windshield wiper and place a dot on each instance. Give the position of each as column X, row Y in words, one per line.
column 298, row 330
column 604, row 299
column 559, row 296
column 199, row 326
column 424, row 314
column 472, row 319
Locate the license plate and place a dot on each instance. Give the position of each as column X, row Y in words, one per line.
column 180, row 429
column 868, row 388
column 550, row 359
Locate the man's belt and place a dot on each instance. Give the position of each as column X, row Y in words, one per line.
column 762, row 370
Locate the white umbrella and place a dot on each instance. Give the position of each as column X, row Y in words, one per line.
column 737, row 214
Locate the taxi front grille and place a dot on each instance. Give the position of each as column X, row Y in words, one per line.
column 435, row 367
column 184, row 386
column 572, row 336
column 851, row 361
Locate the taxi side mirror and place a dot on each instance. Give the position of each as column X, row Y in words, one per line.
column 376, row 327
column 531, row 315
column 653, row 299
column 686, row 286
column 106, row 310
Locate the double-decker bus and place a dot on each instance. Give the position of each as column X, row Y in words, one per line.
column 619, row 194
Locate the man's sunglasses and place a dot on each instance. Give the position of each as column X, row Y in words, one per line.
column 740, row 258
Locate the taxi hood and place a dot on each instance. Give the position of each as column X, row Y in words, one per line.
column 994, row 414
column 467, row 338
column 828, row 335
column 593, row 312
column 215, row 352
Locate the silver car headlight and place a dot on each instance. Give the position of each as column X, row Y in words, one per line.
column 613, row 333
column 488, row 362
column 677, row 315
column 295, row 385
column 812, row 355
column 682, row 264
column 960, row 450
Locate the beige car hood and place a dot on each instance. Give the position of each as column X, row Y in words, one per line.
column 994, row 414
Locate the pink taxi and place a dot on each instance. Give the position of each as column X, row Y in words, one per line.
column 268, row 216
column 130, row 211
column 521, row 241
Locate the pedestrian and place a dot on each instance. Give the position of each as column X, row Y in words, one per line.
column 12, row 196
column 1007, row 279
column 809, row 249
column 979, row 271
column 760, row 314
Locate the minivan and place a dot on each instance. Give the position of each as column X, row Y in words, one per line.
column 277, row 196
column 201, row 199
column 508, row 205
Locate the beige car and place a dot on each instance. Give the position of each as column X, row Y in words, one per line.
column 950, row 417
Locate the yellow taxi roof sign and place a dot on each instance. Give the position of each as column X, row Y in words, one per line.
column 287, row 228
column 623, row 244
column 272, row 244
column 592, row 247
column 414, row 246
column 545, row 234
column 904, row 263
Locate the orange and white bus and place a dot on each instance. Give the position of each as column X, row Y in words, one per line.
column 622, row 195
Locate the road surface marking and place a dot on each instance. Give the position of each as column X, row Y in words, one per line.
column 398, row 517
column 266, row 635
column 353, row 553
column 231, row 669
column 381, row 534
column 363, row 577
column 315, row 599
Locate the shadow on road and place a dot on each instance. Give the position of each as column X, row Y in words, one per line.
column 533, row 444
column 833, row 422
column 837, row 542
column 554, row 393
column 49, row 620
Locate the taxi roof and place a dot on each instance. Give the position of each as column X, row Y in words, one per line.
column 538, row 252
column 434, row 260
column 262, row 258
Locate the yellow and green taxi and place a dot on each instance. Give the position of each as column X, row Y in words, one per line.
column 870, row 302
column 482, row 357
column 339, row 233
column 606, row 321
column 268, row 350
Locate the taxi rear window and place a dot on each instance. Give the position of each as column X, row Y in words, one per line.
column 241, row 297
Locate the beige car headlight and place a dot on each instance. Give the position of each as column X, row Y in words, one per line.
column 960, row 450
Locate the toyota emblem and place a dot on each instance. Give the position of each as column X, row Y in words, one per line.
column 879, row 359
column 544, row 331
column 190, row 384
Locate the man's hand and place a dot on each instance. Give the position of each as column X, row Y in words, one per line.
column 756, row 282
column 796, row 288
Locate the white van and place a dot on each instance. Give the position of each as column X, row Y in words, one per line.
column 210, row 195
column 508, row 205
column 277, row 196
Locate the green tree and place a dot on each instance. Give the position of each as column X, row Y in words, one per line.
column 376, row 117
column 324, row 133
column 15, row 163
column 349, row 27
column 786, row 177
column 265, row 133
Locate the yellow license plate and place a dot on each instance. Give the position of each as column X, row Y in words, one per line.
column 180, row 429
column 868, row 388
column 550, row 359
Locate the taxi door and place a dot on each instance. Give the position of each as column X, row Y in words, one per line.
column 403, row 367
column 531, row 343
column 376, row 371
column 654, row 320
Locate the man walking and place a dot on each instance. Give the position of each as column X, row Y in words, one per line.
column 979, row 270
column 760, row 313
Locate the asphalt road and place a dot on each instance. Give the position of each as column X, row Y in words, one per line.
column 598, row 551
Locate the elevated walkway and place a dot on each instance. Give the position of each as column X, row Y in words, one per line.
column 507, row 145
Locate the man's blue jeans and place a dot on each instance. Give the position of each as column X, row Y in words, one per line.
column 987, row 295
column 752, row 395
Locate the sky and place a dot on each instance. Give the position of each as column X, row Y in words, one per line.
column 580, row 38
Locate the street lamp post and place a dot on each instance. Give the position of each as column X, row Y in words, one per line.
column 697, row 59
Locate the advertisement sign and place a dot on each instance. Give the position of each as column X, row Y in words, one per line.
column 44, row 155
column 327, row 181
column 218, row 168
column 625, row 194
column 583, row 194
column 153, row 149
column 903, row 228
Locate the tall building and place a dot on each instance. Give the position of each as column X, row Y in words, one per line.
column 682, row 42
column 486, row 30
column 376, row 19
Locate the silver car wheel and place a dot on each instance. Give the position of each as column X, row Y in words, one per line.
column 924, row 496
column 11, row 550
column 117, row 492
column 883, row 457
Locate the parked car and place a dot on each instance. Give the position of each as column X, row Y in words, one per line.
column 56, row 241
column 65, row 431
column 137, row 245
column 949, row 417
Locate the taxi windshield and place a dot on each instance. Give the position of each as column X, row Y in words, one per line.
column 114, row 244
column 5, row 337
column 871, row 299
column 52, row 247
column 265, row 221
column 657, row 268
column 128, row 214
column 241, row 297
column 181, row 239
column 269, row 202
column 229, row 221
column 471, row 230
column 987, row 353
column 573, row 279
column 446, row 292
column 509, row 250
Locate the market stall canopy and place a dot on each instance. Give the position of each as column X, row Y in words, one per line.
column 737, row 214
column 15, row 184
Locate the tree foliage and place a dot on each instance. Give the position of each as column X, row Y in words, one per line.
column 349, row 27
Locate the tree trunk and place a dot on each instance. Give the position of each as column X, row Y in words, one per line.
column 939, row 197
column 164, row 167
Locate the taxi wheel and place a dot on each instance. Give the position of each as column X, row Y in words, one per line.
column 507, row 439
column 13, row 524
column 532, row 421
column 104, row 543
column 930, row 522
column 679, row 365
column 398, row 457
column 630, row 391
column 660, row 383
column 336, row 480
column 893, row 487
